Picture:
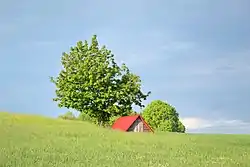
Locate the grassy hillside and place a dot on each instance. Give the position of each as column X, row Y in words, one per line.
column 36, row 141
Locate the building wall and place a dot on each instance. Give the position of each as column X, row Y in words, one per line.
column 138, row 126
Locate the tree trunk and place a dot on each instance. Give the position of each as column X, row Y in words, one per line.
column 101, row 123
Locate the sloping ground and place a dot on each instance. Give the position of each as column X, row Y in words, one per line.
column 35, row 141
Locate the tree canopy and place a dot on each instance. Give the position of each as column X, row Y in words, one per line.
column 92, row 82
column 162, row 116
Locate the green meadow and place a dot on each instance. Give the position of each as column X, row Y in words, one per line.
column 35, row 141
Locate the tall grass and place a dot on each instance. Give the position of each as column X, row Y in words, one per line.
column 35, row 141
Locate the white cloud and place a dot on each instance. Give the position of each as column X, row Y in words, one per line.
column 194, row 123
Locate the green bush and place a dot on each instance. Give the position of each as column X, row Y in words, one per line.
column 85, row 117
column 163, row 117
column 68, row 116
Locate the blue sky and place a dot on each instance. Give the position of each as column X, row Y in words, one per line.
column 193, row 54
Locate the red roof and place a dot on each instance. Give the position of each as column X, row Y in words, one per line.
column 123, row 123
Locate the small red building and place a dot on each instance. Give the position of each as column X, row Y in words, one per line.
column 134, row 123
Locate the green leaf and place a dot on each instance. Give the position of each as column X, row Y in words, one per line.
column 91, row 82
column 162, row 116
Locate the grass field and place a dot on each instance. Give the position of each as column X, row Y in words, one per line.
column 35, row 141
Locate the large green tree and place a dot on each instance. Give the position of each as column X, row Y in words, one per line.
column 162, row 116
column 92, row 82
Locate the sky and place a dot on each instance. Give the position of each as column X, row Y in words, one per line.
column 192, row 54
